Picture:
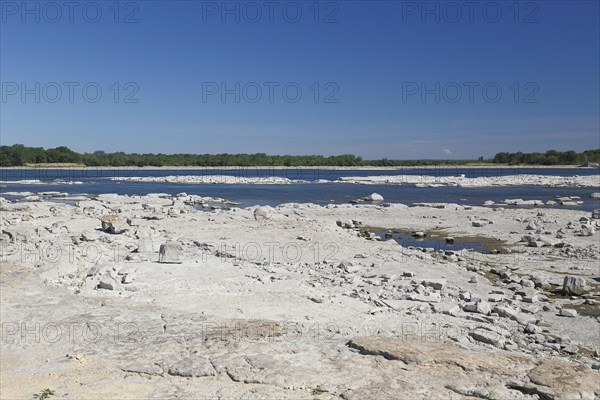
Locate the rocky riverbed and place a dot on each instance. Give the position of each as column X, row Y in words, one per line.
column 403, row 179
column 157, row 297
column 482, row 181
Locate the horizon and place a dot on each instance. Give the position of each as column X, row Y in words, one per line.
column 377, row 79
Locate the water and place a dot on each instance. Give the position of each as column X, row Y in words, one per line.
column 406, row 239
column 96, row 181
column 313, row 174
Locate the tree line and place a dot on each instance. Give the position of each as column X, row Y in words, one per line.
column 20, row 155
column 551, row 157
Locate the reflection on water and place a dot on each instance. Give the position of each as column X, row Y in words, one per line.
column 439, row 242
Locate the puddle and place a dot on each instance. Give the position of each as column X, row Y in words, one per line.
column 437, row 241
column 586, row 310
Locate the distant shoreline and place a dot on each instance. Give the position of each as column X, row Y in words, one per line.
column 365, row 168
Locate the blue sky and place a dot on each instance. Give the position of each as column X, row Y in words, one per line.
column 388, row 77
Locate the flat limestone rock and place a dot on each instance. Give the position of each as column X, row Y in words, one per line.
column 563, row 380
column 193, row 366
column 416, row 352
column 551, row 379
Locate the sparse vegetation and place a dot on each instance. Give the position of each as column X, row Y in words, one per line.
column 318, row 390
column 44, row 394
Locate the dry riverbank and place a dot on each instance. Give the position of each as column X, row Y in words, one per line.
column 150, row 297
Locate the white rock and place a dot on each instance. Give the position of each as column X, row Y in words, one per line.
column 573, row 285
column 90, row 236
column 32, row 198
column 437, row 284
column 106, row 282
column 506, row 311
column 513, row 202
column 481, row 307
column 114, row 224
column 568, row 312
column 170, row 253
column 531, row 227
column 374, row 197
column 434, row 297
column 263, row 212
column 487, row 336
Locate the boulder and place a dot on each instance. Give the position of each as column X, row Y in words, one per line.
column 106, row 282
column 568, row 312
column 32, row 198
column 114, row 224
column 532, row 329
column 596, row 214
column 436, row 284
column 573, row 285
column 480, row 307
column 263, row 212
column 531, row 226
column 374, row 197
column 513, row 202
column 489, row 335
column 434, row 297
column 89, row 236
column 506, row 312
column 526, row 283
column 170, row 253
column 540, row 282
column 447, row 308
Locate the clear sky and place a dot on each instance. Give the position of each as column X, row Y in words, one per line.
column 376, row 78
